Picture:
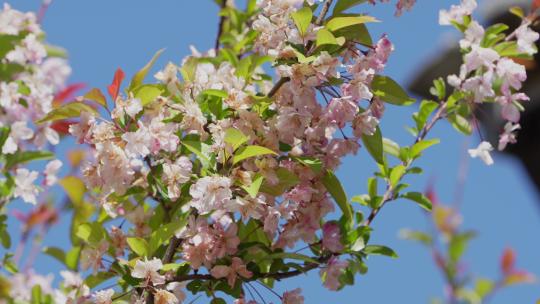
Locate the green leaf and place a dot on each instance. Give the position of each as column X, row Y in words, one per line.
column 26, row 156
column 343, row 5
column 315, row 164
column 69, row 110
column 138, row 79
column 92, row 233
column 484, row 287
column 337, row 23
column 147, row 93
column 255, row 186
column 325, row 37
column 439, row 89
column 418, row 236
column 391, row 147
column 72, row 257
column 216, row 93
column 426, row 108
column 139, row 246
column 218, row 301
column 235, row 138
column 287, row 180
column 56, row 253
column 36, row 294
column 164, row 233
column 517, row 11
column 372, row 186
column 334, row 187
column 390, row 91
column 396, row 174
column 96, row 96
column 380, row 250
column 358, row 33
column 460, row 123
column 418, row 198
column 189, row 68
column 374, row 145
column 302, row 19
column 420, row 146
column 251, row 151
column 458, row 245
column 55, row 51
column 75, row 189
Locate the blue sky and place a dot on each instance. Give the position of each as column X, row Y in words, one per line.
column 499, row 202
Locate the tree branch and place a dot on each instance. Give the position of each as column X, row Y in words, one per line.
column 389, row 194
column 220, row 26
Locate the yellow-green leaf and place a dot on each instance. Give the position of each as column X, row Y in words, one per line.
column 325, row 37
column 147, row 93
column 390, row 91
column 69, row 110
column 74, row 188
column 337, row 23
column 251, row 151
column 96, row 96
column 138, row 79
column 302, row 19
column 235, row 138
column 138, row 245
column 334, row 187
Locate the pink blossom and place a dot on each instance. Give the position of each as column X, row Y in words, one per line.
column 482, row 152
column 331, row 239
column 210, row 193
column 457, row 12
column 138, row 142
column 50, row 172
column 19, row 131
column 511, row 73
column 148, row 270
column 480, row 86
column 473, row 35
column 526, row 38
column 103, row 296
column 508, row 102
column 341, row 111
column 293, row 297
column 237, row 269
column 91, row 257
column 331, row 273
column 176, row 174
column 81, row 130
column 480, row 57
column 24, row 185
column 508, row 136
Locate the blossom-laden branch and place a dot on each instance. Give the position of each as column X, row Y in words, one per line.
column 219, row 172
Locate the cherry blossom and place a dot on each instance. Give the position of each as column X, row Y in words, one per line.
column 483, row 152
column 148, row 271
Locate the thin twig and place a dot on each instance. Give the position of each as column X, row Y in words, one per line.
column 220, row 26
column 389, row 193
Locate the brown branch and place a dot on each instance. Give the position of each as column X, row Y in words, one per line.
column 389, row 193
column 220, row 26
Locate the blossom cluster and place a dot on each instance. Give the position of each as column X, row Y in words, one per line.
column 215, row 175
column 28, row 85
column 487, row 75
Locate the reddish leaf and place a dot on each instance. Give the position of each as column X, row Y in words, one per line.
column 508, row 261
column 535, row 5
column 114, row 88
column 68, row 93
column 62, row 126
